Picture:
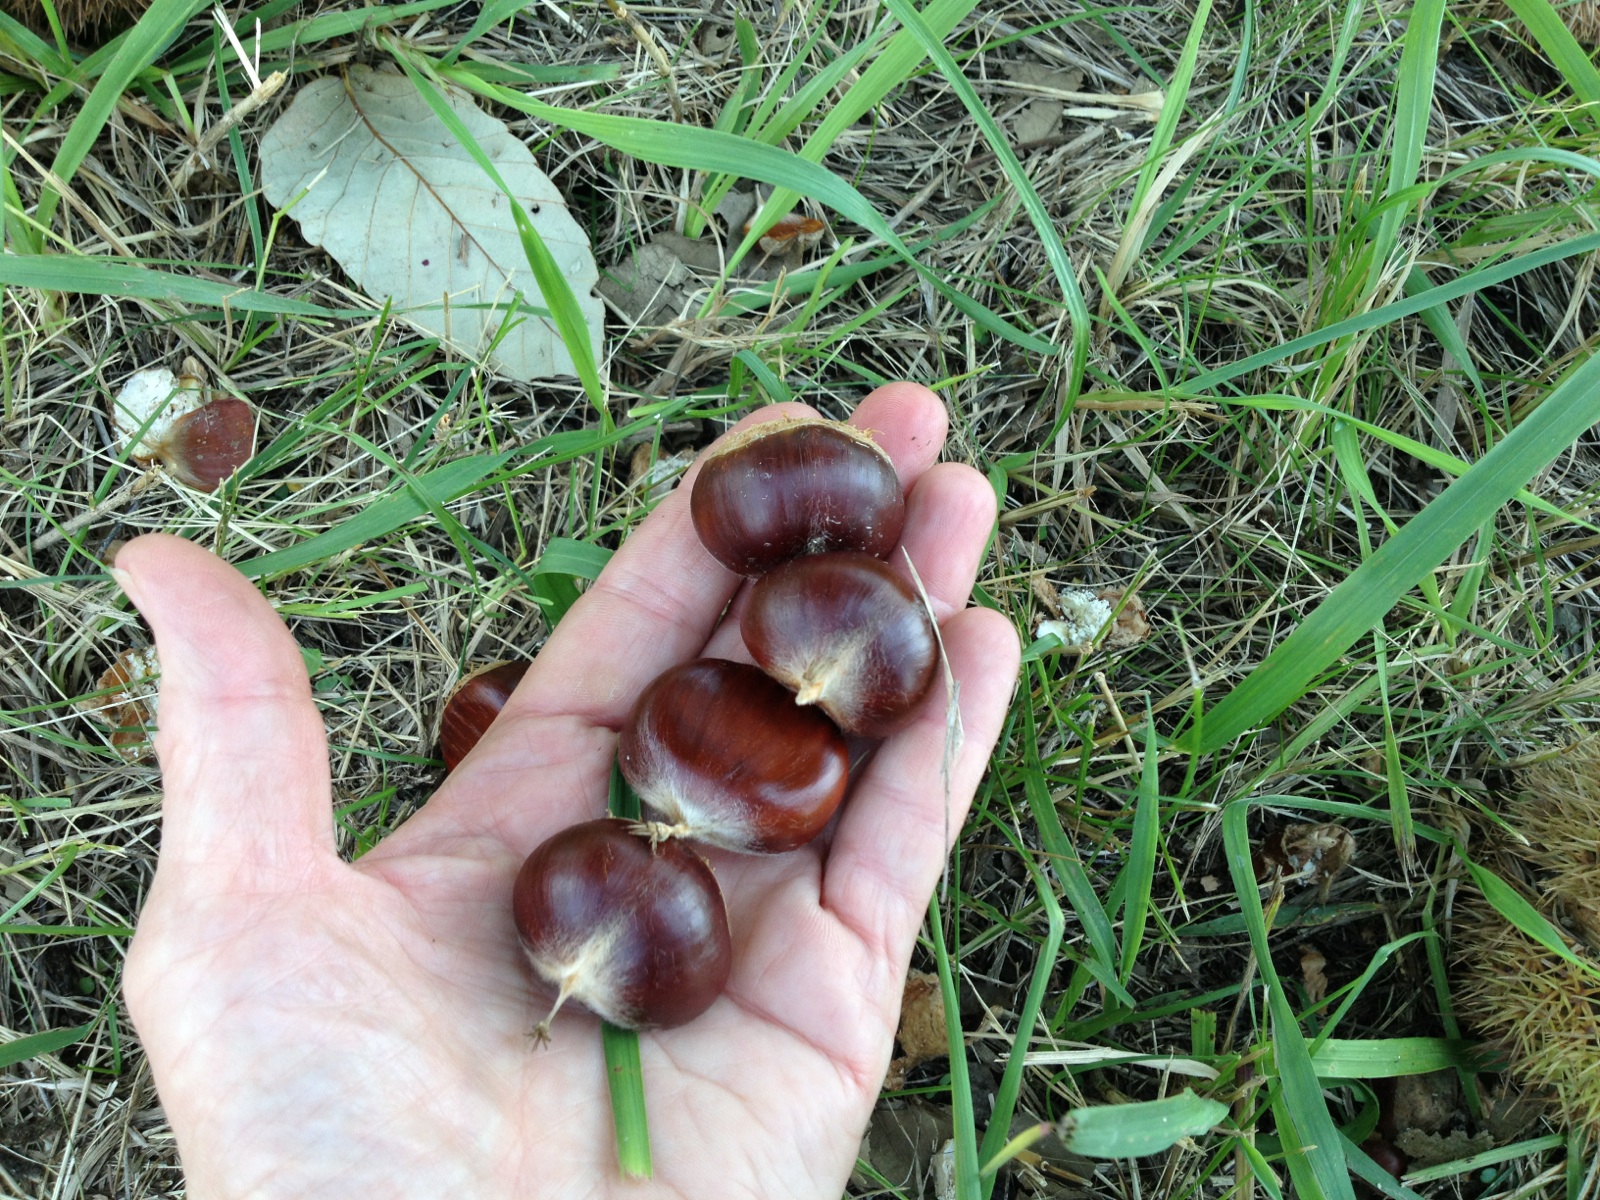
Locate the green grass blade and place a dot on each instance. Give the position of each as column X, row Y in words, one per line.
column 1141, row 865
column 1511, row 905
column 1489, row 1158
column 35, row 1044
column 889, row 69
column 382, row 518
column 1063, row 855
column 1464, row 285
column 19, row 42
column 1361, row 601
column 624, row 1072
column 564, row 561
column 555, row 292
column 1413, row 106
column 626, row 1078
column 1442, row 325
column 108, row 277
column 1141, row 204
column 966, row 1136
column 1371, row 1173
column 1043, row 223
column 1388, row 1058
column 1310, row 1138
column 1143, row 1127
column 1005, row 1098
column 137, row 49
column 1421, row 451
column 710, row 150
column 433, row 488
column 1563, row 50
column 69, row 855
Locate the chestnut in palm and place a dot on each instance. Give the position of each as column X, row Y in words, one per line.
column 473, row 706
column 719, row 752
column 636, row 934
column 791, row 487
column 845, row 633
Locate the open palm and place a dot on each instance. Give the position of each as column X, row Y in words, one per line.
column 320, row 1028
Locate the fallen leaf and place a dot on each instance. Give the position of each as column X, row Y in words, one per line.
column 405, row 209
column 1036, row 121
column 922, row 1033
column 793, row 234
column 1312, row 967
column 1306, row 854
column 901, row 1143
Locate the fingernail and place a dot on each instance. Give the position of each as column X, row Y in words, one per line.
column 124, row 581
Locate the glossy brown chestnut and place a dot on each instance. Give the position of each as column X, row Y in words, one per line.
column 634, row 933
column 791, row 487
column 720, row 753
column 473, row 706
column 843, row 632
column 206, row 446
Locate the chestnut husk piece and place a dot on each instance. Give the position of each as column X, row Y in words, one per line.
column 636, row 934
column 846, row 633
column 785, row 488
column 719, row 752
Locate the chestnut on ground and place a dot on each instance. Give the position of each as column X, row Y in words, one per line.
column 843, row 632
column 210, row 444
column 636, row 934
column 473, row 706
column 782, row 489
column 720, row 753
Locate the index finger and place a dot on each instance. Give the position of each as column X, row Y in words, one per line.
column 660, row 597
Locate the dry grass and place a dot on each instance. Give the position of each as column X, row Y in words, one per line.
column 1229, row 522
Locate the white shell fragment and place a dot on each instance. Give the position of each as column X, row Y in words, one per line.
column 148, row 405
column 1083, row 614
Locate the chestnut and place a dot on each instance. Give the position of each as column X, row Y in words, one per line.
column 720, row 753
column 473, row 706
column 791, row 487
column 201, row 437
column 636, row 934
column 210, row 443
column 845, row 633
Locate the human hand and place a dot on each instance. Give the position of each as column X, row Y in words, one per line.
column 320, row 1028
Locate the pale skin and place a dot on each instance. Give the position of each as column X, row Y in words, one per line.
column 317, row 1028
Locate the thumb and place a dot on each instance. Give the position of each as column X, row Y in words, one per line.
column 244, row 759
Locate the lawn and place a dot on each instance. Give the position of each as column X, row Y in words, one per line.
column 1272, row 326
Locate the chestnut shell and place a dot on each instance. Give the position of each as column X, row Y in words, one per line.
column 636, row 935
column 846, row 633
column 786, row 488
column 206, row 446
column 721, row 753
column 473, row 706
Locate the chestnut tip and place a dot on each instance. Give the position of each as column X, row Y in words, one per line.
column 719, row 751
column 846, row 633
column 656, row 832
column 635, row 935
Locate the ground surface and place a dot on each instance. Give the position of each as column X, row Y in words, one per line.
column 1216, row 513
